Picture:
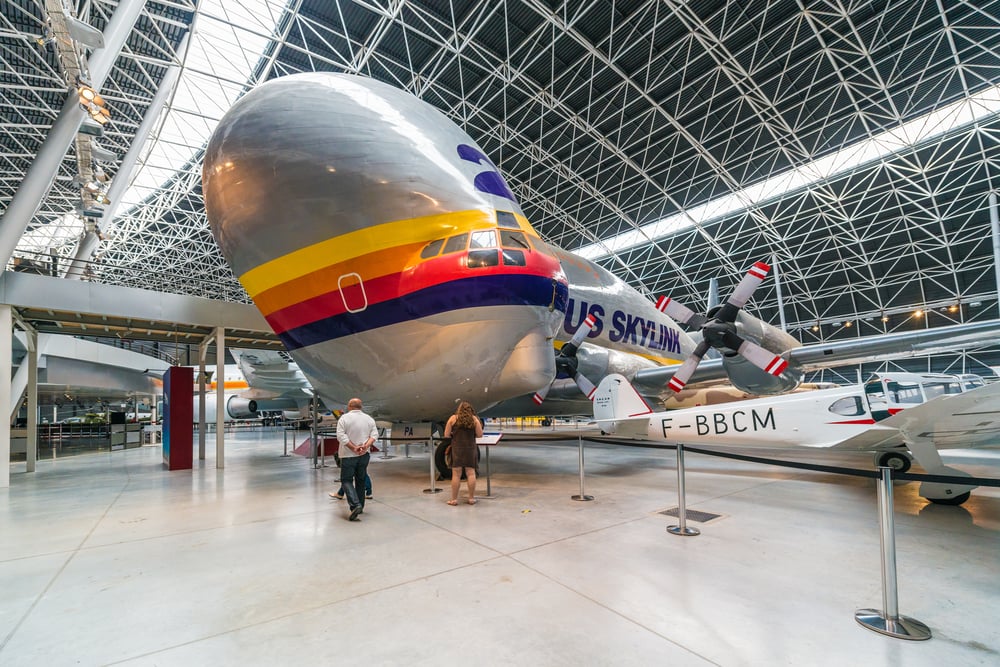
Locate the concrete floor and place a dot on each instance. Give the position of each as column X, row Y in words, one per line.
column 107, row 559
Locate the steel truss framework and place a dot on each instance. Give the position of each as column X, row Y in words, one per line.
column 605, row 115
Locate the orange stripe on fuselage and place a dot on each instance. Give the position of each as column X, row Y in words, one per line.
column 385, row 262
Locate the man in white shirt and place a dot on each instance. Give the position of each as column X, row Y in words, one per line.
column 356, row 432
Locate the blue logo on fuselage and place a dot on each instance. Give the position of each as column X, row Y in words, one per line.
column 623, row 327
column 490, row 182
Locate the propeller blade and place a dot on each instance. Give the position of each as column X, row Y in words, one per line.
column 687, row 369
column 581, row 331
column 585, row 385
column 758, row 356
column 750, row 281
column 674, row 310
column 540, row 395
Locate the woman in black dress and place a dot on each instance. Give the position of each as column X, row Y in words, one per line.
column 463, row 428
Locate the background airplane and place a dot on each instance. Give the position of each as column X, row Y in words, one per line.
column 893, row 415
column 396, row 264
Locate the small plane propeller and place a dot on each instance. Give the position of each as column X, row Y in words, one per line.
column 718, row 330
column 567, row 362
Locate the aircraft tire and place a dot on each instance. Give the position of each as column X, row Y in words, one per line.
column 898, row 461
column 442, row 460
column 957, row 500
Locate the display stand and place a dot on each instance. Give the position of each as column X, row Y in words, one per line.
column 488, row 440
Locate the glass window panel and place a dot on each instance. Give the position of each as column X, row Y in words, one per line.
column 455, row 243
column 432, row 249
column 480, row 258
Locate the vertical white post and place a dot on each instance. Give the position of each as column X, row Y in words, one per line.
column 6, row 350
column 777, row 292
column 31, row 451
column 202, row 399
column 220, row 396
column 995, row 225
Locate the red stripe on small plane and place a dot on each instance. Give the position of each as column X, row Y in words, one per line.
column 590, row 396
column 639, row 414
column 759, row 270
column 855, row 421
column 662, row 303
column 590, row 321
column 777, row 366
column 537, row 399
column 675, row 384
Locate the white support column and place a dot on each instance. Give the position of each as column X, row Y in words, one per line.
column 220, row 395
column 995, row 224
column 6, row 351
column 777, row 292
column 202, row 399
column 42, row 172
column 31, row 451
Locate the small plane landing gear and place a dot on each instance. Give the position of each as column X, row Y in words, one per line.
column 898, row 461
column 957, row 500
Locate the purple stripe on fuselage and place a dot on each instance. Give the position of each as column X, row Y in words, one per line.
column 475, row 292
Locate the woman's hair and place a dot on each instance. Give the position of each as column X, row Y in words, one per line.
column 465, row 416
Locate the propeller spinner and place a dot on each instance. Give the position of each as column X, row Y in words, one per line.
column 718, row 330
column 566, row 361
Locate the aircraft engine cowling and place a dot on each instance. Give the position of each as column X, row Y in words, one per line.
column 597, row 362
column 241, row 408
column 750, row 378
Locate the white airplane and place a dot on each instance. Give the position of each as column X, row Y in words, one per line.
column 397, row 265
column 894, row 415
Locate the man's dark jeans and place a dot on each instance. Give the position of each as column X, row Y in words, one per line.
column 353, row 470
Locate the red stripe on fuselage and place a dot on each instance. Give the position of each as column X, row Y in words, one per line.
column 411, row 279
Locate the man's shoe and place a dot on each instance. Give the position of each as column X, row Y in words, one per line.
column 368, row 496
column 355, row 512
column 336, row 496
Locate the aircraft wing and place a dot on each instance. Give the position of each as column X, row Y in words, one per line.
column 269, row 371
column 653, row 381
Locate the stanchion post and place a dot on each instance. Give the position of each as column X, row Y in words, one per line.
column 888, row 621
column 285, row 438
column 581, row 495
column 681, row 528
column 385, row 446
column 433, row 488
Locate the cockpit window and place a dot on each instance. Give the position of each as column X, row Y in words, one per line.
column 511, row 239
column 513, row 257
column 431, row 249
column 455, row 243
column 481, row 258
column 483, row 239
column 849, row 406
column 506, row 219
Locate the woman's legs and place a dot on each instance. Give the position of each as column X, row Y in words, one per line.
column 470, row 476
column 456, row 481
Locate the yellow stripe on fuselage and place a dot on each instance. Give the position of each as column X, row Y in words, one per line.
column 361, row 242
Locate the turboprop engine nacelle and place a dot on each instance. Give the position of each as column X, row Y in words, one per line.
column 750, row 378
column 236, row 408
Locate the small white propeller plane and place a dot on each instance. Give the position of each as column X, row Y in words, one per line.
column 895, row 415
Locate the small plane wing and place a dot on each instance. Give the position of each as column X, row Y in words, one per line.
column 830, row 354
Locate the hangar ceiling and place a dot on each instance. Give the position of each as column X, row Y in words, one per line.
column 674, row 142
